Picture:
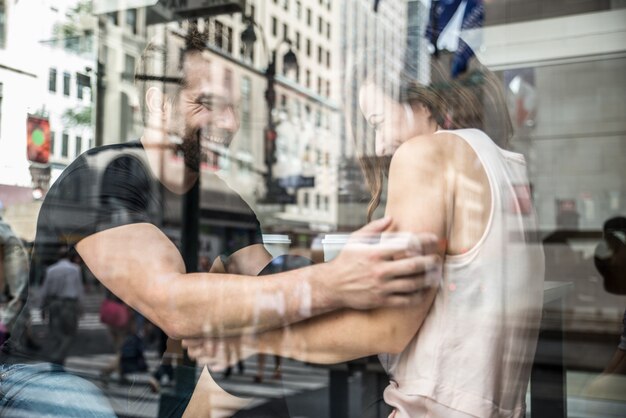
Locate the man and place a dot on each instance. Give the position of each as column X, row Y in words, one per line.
column 13, row 275
column 120, row 205
column 62, row 297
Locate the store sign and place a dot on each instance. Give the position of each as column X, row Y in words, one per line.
column 108, row 6
column 38, row 141
column 161, row 11
column 198, row 8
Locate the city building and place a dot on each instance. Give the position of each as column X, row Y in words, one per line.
column 57, row 92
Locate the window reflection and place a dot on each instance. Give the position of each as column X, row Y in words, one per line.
column 279, row 159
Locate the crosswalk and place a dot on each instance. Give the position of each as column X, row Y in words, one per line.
column 89, row 321
column 135, row 399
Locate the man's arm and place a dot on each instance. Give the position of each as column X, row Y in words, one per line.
column 139, row 264
column 417, row 203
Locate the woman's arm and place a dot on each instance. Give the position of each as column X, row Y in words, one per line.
column 417, row 202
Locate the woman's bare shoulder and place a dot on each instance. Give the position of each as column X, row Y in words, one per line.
column 446, row 147
column 417, row 150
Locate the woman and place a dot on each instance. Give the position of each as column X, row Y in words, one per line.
column 466, row 351
column 474, row 349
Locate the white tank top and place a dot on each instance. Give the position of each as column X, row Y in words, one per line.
column 474, row 351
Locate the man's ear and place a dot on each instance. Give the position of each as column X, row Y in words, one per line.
column 155, row 100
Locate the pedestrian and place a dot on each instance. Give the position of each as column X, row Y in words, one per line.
column 13, row 277
column 62, row 297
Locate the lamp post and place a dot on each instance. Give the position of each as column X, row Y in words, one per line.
column 274, row 192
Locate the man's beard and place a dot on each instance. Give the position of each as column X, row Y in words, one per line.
column 197, row 144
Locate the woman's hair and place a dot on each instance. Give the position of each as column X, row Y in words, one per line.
column 475, row 99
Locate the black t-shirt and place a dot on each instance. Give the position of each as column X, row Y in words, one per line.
column 113, row 186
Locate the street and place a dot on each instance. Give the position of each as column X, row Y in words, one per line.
column 305, row 387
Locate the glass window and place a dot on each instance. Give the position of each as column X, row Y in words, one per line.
column 65, row 145
column 82, row 82
column 131, row 19
column 545, row 86
column 219, row 34
column 67, row 82
column 52, row 80
column 112, row 17
column 78, row 146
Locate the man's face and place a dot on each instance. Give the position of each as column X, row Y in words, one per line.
column 204, row 113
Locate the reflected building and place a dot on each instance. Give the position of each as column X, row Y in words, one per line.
column 370, row 40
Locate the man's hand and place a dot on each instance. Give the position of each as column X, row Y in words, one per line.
column 371, row 273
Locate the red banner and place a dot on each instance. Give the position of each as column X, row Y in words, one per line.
column 38, row 143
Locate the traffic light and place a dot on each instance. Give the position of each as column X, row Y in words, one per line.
column 38, row 141
column 270, row 146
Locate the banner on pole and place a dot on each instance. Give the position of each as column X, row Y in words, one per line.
column 38, row 141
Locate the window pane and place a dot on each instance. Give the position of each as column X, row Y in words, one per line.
column 52, row 80
column 67, row 77
column 65, row 145
column 78, row 146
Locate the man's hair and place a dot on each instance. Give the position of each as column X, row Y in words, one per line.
column 63, row 252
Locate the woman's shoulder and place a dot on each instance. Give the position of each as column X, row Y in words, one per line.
column 443, row 146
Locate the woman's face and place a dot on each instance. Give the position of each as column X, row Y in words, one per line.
column 393, row 122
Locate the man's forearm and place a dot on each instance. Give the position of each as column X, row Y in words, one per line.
column 240, row 304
